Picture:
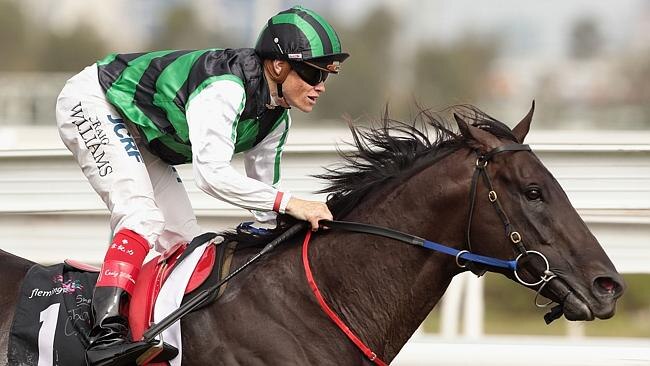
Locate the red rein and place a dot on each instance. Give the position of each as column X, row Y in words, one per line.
column 372, row 356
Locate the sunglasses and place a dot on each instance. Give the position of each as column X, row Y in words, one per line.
column 309, row 74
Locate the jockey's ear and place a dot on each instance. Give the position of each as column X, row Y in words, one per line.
column 476, row 137
column 277, row 70
column 521, row 130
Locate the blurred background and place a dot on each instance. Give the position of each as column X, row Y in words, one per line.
column 585, row 63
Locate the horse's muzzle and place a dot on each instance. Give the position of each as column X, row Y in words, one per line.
column 606, row 290
column 597, row 302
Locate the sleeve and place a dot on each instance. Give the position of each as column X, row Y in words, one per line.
column 212, row 117
column 263, row 162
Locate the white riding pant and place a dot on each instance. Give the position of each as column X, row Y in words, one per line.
column 142, row 192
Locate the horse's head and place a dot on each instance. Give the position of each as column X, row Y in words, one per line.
column 515, row 192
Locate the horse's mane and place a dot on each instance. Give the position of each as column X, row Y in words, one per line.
column 390, row 149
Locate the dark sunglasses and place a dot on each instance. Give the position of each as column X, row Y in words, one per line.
column 309, row 74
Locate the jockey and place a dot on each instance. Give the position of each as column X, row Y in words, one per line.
column 129, row 118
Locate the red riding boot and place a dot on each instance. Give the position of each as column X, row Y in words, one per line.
column 110, row 344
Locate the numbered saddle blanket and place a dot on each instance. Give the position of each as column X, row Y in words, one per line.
column 54, row 309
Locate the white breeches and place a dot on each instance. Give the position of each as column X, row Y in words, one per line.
column 142, row 192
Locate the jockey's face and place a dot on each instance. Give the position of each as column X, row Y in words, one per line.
column 296, row 91
column 299, row 94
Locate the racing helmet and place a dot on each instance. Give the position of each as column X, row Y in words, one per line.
column 300, row 35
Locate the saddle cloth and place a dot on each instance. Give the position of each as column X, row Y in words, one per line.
column 52, row 319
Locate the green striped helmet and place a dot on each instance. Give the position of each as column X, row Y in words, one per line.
column 300, row 34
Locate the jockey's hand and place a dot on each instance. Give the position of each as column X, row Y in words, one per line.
column 311, row 211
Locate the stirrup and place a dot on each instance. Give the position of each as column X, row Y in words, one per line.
column 129, row 354
column 154, row 351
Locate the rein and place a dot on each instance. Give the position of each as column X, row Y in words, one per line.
column 417, row 241
column 464, row 258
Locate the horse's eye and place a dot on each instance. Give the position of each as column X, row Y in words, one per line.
column 534, row 194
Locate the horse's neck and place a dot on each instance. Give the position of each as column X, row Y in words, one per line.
column 386, row 289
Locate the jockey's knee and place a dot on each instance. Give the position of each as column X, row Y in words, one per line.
column 175, row 233
column 149, row 224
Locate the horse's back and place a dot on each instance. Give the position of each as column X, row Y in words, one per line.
column 12, row 272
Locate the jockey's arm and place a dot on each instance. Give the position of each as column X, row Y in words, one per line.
column 212, row 116
column 263, row 163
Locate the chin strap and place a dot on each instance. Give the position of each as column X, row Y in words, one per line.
column 279, row 87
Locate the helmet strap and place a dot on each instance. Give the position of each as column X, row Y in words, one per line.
column 279, row 88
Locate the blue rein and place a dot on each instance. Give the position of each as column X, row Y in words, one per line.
column 414, row 240
column 470, row 257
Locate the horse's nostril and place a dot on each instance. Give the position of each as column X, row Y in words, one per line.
column 608, row 286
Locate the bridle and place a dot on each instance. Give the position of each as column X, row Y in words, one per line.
column 480, row 171
column 511, row 233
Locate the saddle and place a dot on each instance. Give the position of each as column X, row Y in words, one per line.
column 213, row 265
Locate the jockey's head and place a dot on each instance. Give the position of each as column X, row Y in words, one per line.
column 300, row 49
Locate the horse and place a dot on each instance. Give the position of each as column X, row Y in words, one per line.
column 420, row 178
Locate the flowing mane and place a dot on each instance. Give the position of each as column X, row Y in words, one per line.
column 391, row 149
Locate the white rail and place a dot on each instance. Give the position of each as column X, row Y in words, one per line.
column 528, row 351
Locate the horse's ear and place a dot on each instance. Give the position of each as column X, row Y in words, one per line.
column 521, row 130
column 476, row 137
column 462, row 126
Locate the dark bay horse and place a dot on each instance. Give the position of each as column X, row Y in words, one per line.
column 400, row 178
